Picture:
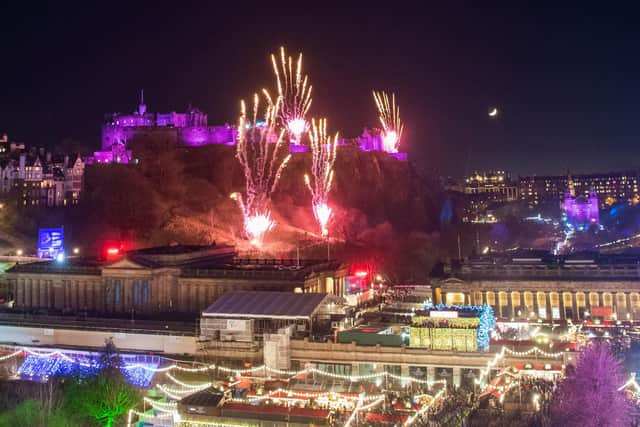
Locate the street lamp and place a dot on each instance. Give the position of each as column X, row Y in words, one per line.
column 76, row 251
column 19, row 252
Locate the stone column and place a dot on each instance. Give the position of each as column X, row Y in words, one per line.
column 431, row 373
column 50, row 295
column 27, row 293
column 20, row 292
column 404, row 370
column 456, row 376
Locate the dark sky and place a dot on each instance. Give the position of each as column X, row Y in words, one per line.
column 567, row 80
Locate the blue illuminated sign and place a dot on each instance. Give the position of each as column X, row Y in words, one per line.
column 50, row 242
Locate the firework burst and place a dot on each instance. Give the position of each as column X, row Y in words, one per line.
column 392, row 126
column 294, row 92
column 323, row 155
column 259, row 151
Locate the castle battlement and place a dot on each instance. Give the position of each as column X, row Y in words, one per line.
column 190, row 129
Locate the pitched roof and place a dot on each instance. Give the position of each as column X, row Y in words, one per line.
column 266, row 304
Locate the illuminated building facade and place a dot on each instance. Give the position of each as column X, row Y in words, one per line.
column 541, row 286
column 610, row 187
column 190, row 128
column 481, row 190
column 38, row 179
column 581, row 212
column 178, row 279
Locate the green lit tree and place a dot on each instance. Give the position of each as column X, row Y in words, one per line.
column 105, row 397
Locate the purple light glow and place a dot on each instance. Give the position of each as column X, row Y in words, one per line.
column 582, row 211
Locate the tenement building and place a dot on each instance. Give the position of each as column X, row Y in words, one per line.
column 174, row 279
column 542, row 286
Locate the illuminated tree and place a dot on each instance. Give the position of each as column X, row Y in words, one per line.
column 105, row 397
column 590, row 396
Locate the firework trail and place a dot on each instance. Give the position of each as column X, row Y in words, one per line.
column 323, row 152
column 392, row 126
column 259, row 151
column 294, row 92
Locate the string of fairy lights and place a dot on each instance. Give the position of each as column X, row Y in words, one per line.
column 183, row 389
column 501, row 354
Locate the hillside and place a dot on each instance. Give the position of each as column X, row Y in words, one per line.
column 381, row 205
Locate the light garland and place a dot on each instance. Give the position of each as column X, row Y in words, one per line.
column 180, row 391
column 158, row 406
column 362, row 408
column 189, row 423
column 189, row 386
column 422, row 410
column 534, row 350
column 168, row 393
column 9, row 356
column 501, row 354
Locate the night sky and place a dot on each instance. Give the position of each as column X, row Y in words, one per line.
column 567, row 81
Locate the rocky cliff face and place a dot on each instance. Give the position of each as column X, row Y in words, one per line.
column 182, row 195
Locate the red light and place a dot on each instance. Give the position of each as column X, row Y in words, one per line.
column 361, row 273
column 113, row 251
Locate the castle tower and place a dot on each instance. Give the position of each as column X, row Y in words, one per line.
column 142, row 108
column 570, row 186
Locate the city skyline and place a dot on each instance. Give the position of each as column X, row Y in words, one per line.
column 570, row 92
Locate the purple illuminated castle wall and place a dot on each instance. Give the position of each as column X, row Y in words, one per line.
column 370, row 140
column 189, row 129
column 581, row 211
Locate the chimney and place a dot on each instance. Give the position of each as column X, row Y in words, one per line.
column 48, row 157
column 41, row 151
column 66, row 162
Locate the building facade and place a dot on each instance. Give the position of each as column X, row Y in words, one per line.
column 548, row 288
column 39, row 179
column 190, row 128
column 161, row 280
column 610, row 187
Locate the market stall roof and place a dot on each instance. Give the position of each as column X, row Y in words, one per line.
column 267, row 305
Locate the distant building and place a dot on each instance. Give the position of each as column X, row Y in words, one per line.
column 173, row 279
column 481, row 190
column 536, row 284
column 610, row 187
column 40, row 179
column 581, row 212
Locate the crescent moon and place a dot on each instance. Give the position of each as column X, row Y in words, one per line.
column 493, row 112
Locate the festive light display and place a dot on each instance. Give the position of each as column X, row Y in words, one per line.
column 259, row 151
column 440, row 337
column 392, row 126
column 44, row 365
column 323, row 155
column 361, row 408
column 412, row 419
column 294, row 94
column 500, row 355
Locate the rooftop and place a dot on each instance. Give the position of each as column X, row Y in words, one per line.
column 540, row 265
column 209, row 397
column 266, row 304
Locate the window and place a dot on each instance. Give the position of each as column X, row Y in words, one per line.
column 117, row 291
column 145, row 292
column 135, row 291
